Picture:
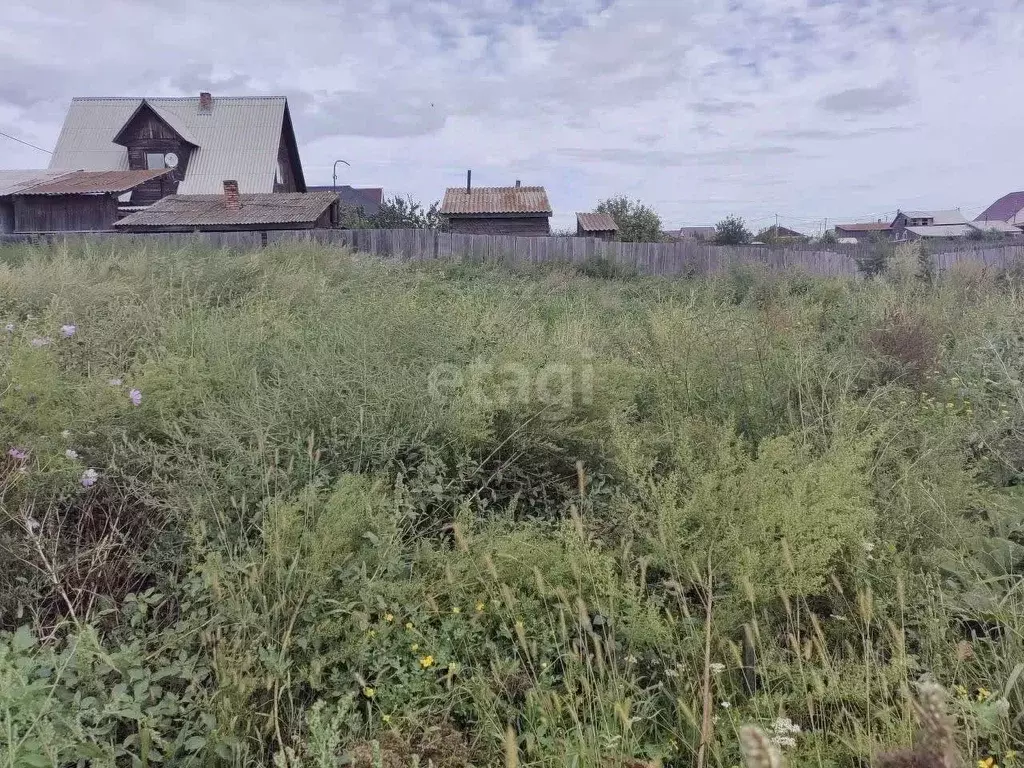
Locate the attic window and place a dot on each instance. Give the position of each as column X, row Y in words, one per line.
column 155, row 161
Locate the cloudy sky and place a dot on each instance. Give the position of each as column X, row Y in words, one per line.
column 811, row 109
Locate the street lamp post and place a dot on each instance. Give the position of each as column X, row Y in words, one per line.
column 335, row 185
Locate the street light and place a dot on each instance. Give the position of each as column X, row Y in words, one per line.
column 336, row 173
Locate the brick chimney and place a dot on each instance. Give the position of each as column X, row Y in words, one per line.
column 205, row 101
column 231, row 201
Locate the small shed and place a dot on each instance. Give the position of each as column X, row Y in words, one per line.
column 599, row 225
column 514, row 210
column 234, row 212
column 74, row 201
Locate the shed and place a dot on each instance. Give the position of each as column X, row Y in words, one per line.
column 74, row 201
column 10, row 183
column 232, row 212
column 599, row 225
column 514, row 210
column 864, row 231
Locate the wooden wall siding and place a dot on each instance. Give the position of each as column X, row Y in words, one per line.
column 286, row 163
column 6, row 217
column 146, row 132
column 523, row 226
column 64, row 213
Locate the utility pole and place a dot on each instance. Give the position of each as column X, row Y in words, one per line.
column 335, row 175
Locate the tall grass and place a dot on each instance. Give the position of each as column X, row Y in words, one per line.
column 463, row 515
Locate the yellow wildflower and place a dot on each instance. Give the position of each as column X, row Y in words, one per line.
column 983, row 694
column 1010, row 756
column 427, row 661
column 389, row 617
column 414, row 647
column 409, row 626
column 519, row 624
column 369, row 692
column 480, row 607
column 385, row 719
column 372, row 633
column 988, row 762
column 456, row 609
column 961, row 691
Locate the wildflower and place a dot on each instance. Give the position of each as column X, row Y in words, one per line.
column 480, row 607
column 961, row 691
column 31, row 524
column 671, row 673
column 39, row 342
column 519, row 624
column 983, row 694
column 369, row 692
column 17, row 454
column 414, row 647
column 631, row 659
column 70, row 454
column 67, row 331
column 725, row 704
column 784, row 725
column 543, row 665
column 1010, row 756
column 717, row 668
column 9, row 327
column 409, row 626
column 784, row 741
column 372, row 633
column 89, row 478
column 385, row 719
column 988, row 762
column 65, row 434
column 427, row 661
column 456, row 609
column 949, row 405
column 135, row 396
column 115, row 382
column 869, row 546
column 389, row 617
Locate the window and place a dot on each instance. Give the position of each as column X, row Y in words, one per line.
column 155, row 161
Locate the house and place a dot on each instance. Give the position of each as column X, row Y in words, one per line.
column 1008, row 208
column 514, row 210
column 11, row 182
column 694, row 233
column 367, row 199
column 863, row 232
column 599, row 225
column 235, row 211
column 925, row 222
column 996, row 227
column 72, row 201
column 200, row 140
column 779, row 234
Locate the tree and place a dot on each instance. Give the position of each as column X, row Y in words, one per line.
column 405, row 213
column 731, row 230
column 637, row 223
column 828, row 238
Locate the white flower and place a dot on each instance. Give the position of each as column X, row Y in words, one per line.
column 71, row 454
column 9, row 327
column 869, row 546
column 631, row 659
column 725, row 704
column 89, row 478
column 671, row 673
column 67, row 331
column 65, row 434
column 783, row 725
column 115, row 382
column 32, row 524
column 784, row 741
column 40, row 342
column 717, row 669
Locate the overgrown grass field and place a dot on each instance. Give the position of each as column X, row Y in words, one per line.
column 301, row 508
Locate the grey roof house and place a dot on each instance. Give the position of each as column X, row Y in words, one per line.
column 916, row 225
column 201, row 140
column 235, row 211
column 600, row 225
column 368, row 199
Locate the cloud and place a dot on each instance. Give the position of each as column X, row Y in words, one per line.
column 867, row 101
column 722, row 107
column 626, row 156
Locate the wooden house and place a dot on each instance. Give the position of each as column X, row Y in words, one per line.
column 234, row 211
column 199, row 141
column 599, row 225
column 514, row 210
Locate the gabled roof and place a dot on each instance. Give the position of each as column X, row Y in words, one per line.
column 484, row 201
column 207, row 211
column 238, row 138
column 367, row 198
column 941, row 218
column 596, row 222
column 868, row 226
column 91, row 182
column 11, row 182
column 945, row 230
column 1003, row 209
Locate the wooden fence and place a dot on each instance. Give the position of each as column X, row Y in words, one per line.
column 669, row 259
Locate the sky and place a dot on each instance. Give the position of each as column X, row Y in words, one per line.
column 815, row 110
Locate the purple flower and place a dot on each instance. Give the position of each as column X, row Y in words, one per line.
column 89, row 478
column 40, row 342
column 135, row 396
column 68, row 330
column 17, row 454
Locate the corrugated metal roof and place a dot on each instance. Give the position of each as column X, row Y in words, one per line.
column 14, row 181
column 211, row 210
column 495, row 200
column 92, row 182
column 596, row 222
column 367, row 198
column 940, row 218
column 997, row 225
column 947, row 230
column 1006, row 208
column 696, row 232
column 869, row 226
column 237, row 139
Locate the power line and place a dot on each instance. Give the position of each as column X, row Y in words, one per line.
column 15, row 138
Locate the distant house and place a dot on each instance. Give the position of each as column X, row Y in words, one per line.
column 863, row 232
column 779, row 234
column 235, row 211
column 912, row 225
column 1008, row 208
column 200, row 140
column 599, row 225
column 996, row 227
column 367, row 199
column 69, row 201
column 695, row 233
column 514, row 210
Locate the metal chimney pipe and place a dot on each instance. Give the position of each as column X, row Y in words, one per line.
column 517, row 183
column 469, row 181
